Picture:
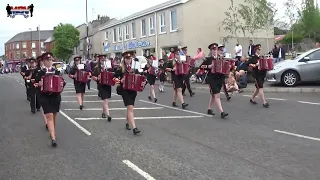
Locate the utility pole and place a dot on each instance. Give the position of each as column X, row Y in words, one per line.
column 31, row 41
column 38, row 29
column 88, row 42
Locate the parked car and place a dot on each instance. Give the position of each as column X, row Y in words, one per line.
column 304, row 68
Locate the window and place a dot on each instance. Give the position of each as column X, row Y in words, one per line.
column 173, row 20
column 114, row 35
column 17, row 46
column 42, row 45
column 133, row 30
column 24, row 45
column 106, row 35
column 127, row 35
column 17, row 55
column 81, row 46
column 315, row 55
column 24, row 54
column 33, row 45
column 34, row 54
column 162, row 23
column 151, row 26
column 43, row 52
column 143, row 28
column 120, row 34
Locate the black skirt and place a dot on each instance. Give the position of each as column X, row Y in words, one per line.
column 151, row 79
column 177, row 80
column 50, row 103
column 129, row 97
column 215, row 83
column 80, row 87
column 104, row 91
column 162, row 77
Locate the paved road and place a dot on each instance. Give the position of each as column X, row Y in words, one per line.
column 174, row 143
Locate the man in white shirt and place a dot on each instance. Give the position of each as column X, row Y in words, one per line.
column 238, row 52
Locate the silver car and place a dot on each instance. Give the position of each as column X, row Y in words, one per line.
column 304, row 68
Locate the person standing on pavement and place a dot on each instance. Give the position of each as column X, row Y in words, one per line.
column 50, row 102
column 281, row 54
column 259, row 77
column 251, row 49
column 215, row 81
column 80, row 87
column 186, row 82
column 104, row 90
column 150, row 73
column 238, row 52
column 128, row 96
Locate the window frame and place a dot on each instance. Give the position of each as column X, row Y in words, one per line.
column 171, row 28
column 145, row 28
column 33, row 43
column 106, row 35
column 126, row 32
column 115, row 35
column 133, row 30
column 152, row 22
column 162, row 16
column 120, row 33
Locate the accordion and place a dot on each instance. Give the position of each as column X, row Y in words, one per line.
column 152, row 70
column 82, row 76
column 191, row 61
column 220, row 67
column 106, row 78
column 232, row 65
column 52, row 84
column 265, row 64
column 182, row 69
column 160, row 71
column 134, row 82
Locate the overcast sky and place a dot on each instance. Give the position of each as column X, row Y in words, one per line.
column 50, row 13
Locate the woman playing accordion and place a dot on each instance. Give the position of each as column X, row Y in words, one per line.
column 126, row 88
column 101, row 71
column 80, row 79
column 215, row 81
column 51, row 84
column 150, row 73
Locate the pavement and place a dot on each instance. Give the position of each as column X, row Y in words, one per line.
column 279, row 143
column 268, row 88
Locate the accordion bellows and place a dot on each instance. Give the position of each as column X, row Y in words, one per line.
column 52, row 84
column 82, row 76
column 265, row 64
column 134, row 82
column 106, row 78
column 220, row 67
column 182, row 69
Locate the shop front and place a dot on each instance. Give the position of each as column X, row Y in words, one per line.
column 136, row 46
column 147, row 52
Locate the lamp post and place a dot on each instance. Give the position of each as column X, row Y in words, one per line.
column 39, row 43
column 31, row 40
column 88, row 43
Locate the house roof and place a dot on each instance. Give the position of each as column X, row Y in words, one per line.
column 50, row 39
column 145, row 12
column 31, row 35
column 94, row 30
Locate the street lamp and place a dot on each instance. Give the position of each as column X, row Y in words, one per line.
column 88, row 42
column 31, row 40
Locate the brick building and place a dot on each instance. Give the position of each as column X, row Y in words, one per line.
column 26, row 44
column 49, row 44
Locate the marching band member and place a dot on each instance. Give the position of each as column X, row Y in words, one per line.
column 177, row 80
column 30, row 77
column 23, row 73
column 149, row 70
column 104, row 90
column 259, row 77
column 80, row 87
column 50, row 102
column 93, row 65
column 186, row 84
column 215, row 81
column 221, row 55
column 162, row 74
column 128, row 96
column 40, row 66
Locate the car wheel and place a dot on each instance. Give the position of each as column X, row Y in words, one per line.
column 290, row 78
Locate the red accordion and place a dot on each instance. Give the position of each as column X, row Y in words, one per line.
column 106, row 78
column 182, row 69
column 265, row 64
column 152, row 70
column 52, row 84
column 191, row 61
column 134, row 82
column 232, row 65
column 160, row 71
column 220, row 67
column 82, row 76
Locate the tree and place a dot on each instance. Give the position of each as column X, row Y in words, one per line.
column 66, row 37
column 231, row 23
column 291, row 9
column 309, row 18
column 296, row 38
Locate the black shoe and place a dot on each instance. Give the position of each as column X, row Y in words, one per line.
column 210, row 112
column 240, row 91
column 33, row 111
column 155, row 100
column 266, row 105
column 252, row 101
column 192, row 94
column 38, row 109
column 47, row 127
column 127, row 126
column 103, row 115
column 81, row 107
column 136, row 131
column 174, row 104
column 228, row 98
column 184, row 105
column 109, row 118
column 54, row 143
column 223, row 115
column 149, row 97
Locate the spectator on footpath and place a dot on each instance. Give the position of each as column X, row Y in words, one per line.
column 199, row 57
column 242, row 68
column 317, row 45
column 251, row 48
column 280, row 54
column 164, row 56
column 231, row 84
column 238, row 52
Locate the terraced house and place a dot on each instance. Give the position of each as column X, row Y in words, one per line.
column 192, row 23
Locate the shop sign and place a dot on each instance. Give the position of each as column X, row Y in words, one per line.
column 106, row 47
column 132, row 45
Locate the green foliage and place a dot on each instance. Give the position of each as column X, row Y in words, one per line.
column 297, row 38
column 279, row 31
column 66, row 37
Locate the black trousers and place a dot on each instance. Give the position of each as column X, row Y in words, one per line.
column 224, row 86
column 186, row 84
column 34, row 98
column 88, row 84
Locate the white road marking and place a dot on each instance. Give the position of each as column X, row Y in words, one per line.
column 277, row 99
column 297, row 135
column 138, row 170
column 246, row 95
column 75, row 123
column 306, row 102
column 92, row 101
column 68, row 88
column 86, row 95
column 17, row 80
column 115, row 109
column 193, row 112
column 74, row 91
column 148, row 118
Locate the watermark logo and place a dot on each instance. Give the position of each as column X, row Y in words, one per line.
column 25, row 11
